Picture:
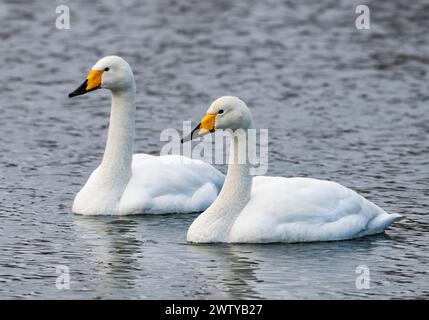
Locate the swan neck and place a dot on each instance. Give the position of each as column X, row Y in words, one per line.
column 214, row 224
column 238, row 167
column 120, row 138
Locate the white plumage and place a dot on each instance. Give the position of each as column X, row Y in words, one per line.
column 276, row 209
column 167, row 185
column 305, row 209
column 129, row 184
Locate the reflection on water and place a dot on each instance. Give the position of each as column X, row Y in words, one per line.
column 112, row 247
column 340, row 104
column 232, row 268
column 146, row 257
column 246, row 271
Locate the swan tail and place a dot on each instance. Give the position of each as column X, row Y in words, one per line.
column 382, row 221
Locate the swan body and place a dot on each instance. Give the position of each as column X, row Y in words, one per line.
column 125, row 183
column 266, row 209
column 158, row 185
column 305, row 209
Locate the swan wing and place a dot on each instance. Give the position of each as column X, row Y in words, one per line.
column 305, row 209
column 170, row 184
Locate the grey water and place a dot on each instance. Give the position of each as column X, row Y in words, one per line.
column 340, row 103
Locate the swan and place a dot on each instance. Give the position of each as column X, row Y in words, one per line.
column 266, row 209
column 130, row 184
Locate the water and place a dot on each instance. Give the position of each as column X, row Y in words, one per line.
column 340, row 103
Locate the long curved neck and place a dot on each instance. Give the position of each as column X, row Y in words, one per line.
column 215, row 223
column 120, row 139
column 238, row 182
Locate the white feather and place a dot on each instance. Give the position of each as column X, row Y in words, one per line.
column 168, row 185
column 305, row 209
column 129, row 184
column 276, row 209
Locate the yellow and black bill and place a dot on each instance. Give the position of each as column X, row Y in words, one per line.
column 92, row 82
column 207, row 125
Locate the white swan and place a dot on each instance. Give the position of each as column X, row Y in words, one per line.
column 276, row 209
column 129, row 184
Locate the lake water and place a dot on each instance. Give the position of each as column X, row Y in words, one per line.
column 340, row 103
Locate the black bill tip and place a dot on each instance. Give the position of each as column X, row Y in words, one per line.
column 80, row 90
column 192, row 135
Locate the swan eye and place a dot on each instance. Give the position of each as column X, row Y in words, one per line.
column 106, row 69
column 220, row 111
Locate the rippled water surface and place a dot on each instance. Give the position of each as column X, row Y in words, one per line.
column 340, row 103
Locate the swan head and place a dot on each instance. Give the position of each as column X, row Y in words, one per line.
column 226, row 113
column 111, row 72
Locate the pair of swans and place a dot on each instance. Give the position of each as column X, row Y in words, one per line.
column 236, row 208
